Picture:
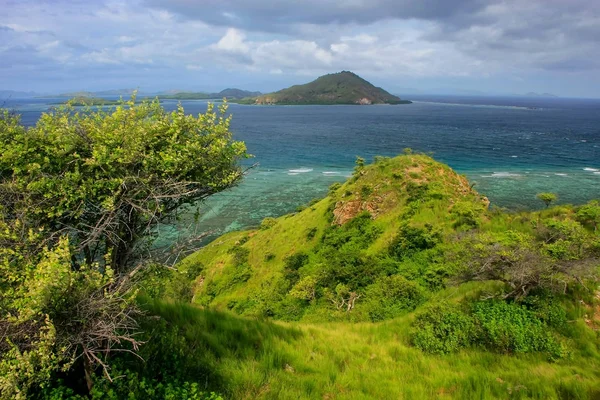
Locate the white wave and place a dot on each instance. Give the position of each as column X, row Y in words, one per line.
column 292, row 173
column 591, row 169
column 514, row 156
column 331, row 173
column 501, row 175
column 561, row 174
column 300, row 170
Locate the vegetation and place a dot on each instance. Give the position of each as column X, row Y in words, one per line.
column 408, row 242
column 547, row 198
column 227, row 93
column 85, row 101
column 340, row 88
column 400, row 283
column 80, row 197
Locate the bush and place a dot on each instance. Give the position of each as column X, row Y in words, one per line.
column 392, row 296
column 310, row 234
column 268, row 223
column 412, row 239
column 512, row 328
column 442, row 329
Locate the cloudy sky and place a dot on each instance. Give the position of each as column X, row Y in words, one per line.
column 489, row 46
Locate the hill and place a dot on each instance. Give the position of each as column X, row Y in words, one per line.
column 341, row 88
column 399, row 284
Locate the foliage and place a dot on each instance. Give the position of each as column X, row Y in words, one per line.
column 392, row 296
column 268, row 223
column 441, row 328
column 80, row 196
column 547, row 198
column 510, row 327
column 412, row 239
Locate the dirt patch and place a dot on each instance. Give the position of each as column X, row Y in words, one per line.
column 346, row 210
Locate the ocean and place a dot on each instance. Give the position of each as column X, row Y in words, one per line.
column 510, row 148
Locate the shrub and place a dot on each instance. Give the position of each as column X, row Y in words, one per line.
column 442, row 329
column 310, row 234
column 269, row 257
column 268, row 223
column 292, row 264
column 366, row 191
column 511, row 327
column 334, row 188
column 392, row 296
column 412, row 239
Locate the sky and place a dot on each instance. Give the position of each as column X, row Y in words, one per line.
column 426, row 46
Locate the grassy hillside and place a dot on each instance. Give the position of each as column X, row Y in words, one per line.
column 399, row 284
column 340, row 88
column 257, row 359
column 366, row 212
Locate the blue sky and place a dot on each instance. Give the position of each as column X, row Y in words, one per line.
column 489, row 46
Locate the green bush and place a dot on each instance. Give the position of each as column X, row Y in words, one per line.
column 442, row 328
column 412, row 239
column 392, row 296
column 512, row 328
column 268, row 223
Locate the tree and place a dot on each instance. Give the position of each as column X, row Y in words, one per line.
column 547, row 198
column 81, row 195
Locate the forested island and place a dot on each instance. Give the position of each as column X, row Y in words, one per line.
column 401, row 282
column 340, row 88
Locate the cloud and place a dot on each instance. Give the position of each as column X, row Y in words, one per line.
column 203, row 42
column 268, row 15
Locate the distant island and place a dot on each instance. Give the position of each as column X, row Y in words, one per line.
column 84, row 101
column 534, row 94
column 340, row 88
column 227, row 93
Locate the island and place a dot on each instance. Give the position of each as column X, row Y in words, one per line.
column 230, row 93
column 340, row 88
column 85, row 101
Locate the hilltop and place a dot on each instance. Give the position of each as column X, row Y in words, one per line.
column 366, row 212
column 340, row 88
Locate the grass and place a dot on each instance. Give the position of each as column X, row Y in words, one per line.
column 254, row 359
column 327, row 354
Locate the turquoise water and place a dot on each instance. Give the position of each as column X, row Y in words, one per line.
column 511, row 148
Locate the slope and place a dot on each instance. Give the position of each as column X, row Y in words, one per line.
column 340, row 88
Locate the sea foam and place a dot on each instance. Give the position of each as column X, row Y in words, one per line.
column 300, row 170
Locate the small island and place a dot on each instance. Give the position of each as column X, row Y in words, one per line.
column 230, row 93
column 340, row 88
column 84, row 101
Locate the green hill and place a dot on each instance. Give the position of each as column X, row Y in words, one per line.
column 399, row 284
column 341, row 88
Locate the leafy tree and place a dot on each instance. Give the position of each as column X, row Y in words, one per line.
column 547, row 198
column 81, row 195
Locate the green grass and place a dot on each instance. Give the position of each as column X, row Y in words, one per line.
column 254, row 359
column 422, row 220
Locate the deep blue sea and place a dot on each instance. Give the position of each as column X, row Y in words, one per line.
column 511, row 148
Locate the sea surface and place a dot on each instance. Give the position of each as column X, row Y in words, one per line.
column 510, row 148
